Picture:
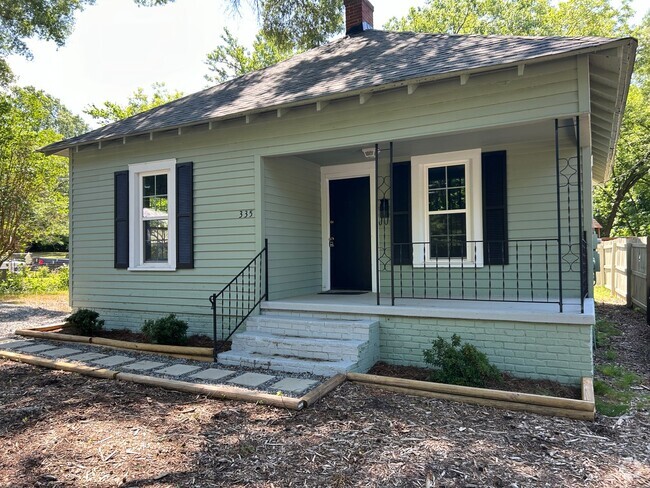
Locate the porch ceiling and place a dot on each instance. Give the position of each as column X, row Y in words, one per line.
column 405, row 148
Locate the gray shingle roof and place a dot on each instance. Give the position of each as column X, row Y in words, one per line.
column 361, row 62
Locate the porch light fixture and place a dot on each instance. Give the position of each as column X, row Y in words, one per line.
column 369, row 152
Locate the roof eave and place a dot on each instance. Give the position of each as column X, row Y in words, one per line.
column 59, row 147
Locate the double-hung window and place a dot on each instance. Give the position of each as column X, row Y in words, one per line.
column 152, row 190
column 447, row 215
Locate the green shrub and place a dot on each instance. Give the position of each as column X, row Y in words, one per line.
column 40, row 280
column 85, row 322
column 167, row 330
column 459, row 365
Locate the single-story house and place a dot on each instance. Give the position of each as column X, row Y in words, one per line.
column 360, row 199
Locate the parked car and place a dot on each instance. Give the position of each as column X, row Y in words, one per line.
column 52, row 263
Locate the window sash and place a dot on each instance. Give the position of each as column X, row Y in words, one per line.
column 140, row 246
column 424, row 253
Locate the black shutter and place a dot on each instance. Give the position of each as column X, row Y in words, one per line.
column 402, row 248
column 121, row 192
column 495, row 208
column 184, row 216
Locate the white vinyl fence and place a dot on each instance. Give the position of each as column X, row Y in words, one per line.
column 625, row 270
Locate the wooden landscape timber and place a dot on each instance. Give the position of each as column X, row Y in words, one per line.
column 583, row 409
column 223, row 392
column 546, row 405
column 204, row 354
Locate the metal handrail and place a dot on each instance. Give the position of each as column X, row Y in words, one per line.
column 527, row 276
column 250, row 287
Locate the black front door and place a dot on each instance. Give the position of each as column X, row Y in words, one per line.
column 350, row 247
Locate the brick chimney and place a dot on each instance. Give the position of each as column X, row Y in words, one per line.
column 358, row 16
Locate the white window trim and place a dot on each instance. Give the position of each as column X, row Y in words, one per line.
column 471, row 158
column 136, row 244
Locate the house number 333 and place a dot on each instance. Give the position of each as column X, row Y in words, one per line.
column 245, row 214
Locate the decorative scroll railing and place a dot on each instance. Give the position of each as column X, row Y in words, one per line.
column 519, row 270
column 239, row 298
column 537, row 270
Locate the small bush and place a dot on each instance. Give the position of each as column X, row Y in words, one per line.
column 460, row 365
column 40, row 280
column 85, row 322
column 167, row 330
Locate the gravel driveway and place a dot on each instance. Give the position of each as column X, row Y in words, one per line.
column 20, row 316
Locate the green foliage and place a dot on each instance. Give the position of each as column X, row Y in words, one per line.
column 41, row 280
column 33, row 187
column 138, row 102
column 85, row 322
column 460, row 364
column 604, row 330
column 300, row 24
column 167, row 330
column 50, row 20
column 232, row 59
column 517, row 17
column 622, row 204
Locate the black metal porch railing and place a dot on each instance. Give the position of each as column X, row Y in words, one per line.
column 239, row 298
column 517, row 270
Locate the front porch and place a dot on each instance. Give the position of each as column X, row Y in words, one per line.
column 480, row 234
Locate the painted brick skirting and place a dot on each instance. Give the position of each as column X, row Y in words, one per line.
column 530, row 350
column 525, row 349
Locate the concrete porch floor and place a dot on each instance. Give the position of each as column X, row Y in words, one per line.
column 366, row 304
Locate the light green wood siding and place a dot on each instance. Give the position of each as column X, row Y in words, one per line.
column 292, row 224
column 225, row 182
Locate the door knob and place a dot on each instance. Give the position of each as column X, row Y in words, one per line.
column 331, row 241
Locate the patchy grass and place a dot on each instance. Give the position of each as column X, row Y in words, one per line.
column 52, row 301
column 605, row 329
column 603, row 295
column 616, row 387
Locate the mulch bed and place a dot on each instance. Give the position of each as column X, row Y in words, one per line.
column 508, row 383
column 130, row 336
column 64, row 430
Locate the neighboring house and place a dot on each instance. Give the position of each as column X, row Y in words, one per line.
column 447, row 177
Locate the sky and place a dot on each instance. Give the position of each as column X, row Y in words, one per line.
column 117, row 47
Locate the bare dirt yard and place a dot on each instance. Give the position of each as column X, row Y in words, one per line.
column 63, row 430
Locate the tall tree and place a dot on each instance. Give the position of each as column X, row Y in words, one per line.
column 33, row 187
column 138, row 102
column 300, row 24
column 232, row 59
column 517, row 17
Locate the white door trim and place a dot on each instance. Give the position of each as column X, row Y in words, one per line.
column 340, row 172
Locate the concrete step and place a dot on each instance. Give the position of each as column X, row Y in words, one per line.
column 287, row 364
column 304, row 347
column 293, row 326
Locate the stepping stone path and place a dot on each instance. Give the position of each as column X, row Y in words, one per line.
column 144, row 365
column 60, row 352
column 139, row 362
column 37, row 348
column 212, row 374
column 113, row 361
column 251, row 379
column 178, row 369
column 87, row 356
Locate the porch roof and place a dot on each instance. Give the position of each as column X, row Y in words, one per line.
column 370, row 61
